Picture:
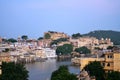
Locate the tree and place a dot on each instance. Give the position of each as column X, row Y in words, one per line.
column 113, row 35
column 77, row 35
column 97, row 48
column 58, row 41
column 110, row 47
column 47, row 36
column 83, row 50
column 13, row 71
column 59, row 50
column 65, row 49
column 114, row 75
column 6, row 50
column 52, row 31
column 95, row 69
column 63, row 74
column 12, row 40
column 40, row 38
column 24, row 37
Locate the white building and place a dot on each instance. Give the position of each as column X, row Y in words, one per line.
column 50, row 53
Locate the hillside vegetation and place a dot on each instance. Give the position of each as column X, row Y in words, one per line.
column 113, row 35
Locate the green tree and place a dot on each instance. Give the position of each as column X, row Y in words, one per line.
column 63, row 74
column 65, row 49
column 40, row 38
column 58, row 41
column 12, row 40
column 24, row 37
column 77, row 35
column 113, row 35
column 59, row 50
column 47, row 36
column 83, row 50
column 97, row 48
column 114, row 75
column 6, row 50
column 95, row 69
column 13, row 71
column 110, row 47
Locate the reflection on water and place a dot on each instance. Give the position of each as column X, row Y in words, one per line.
column 43, row 70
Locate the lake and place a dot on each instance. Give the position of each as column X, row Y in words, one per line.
column 43, row 70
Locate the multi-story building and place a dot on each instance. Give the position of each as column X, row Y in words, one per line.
column 104, row 43
column 39, row 53
column 0, row 40
column 56, row 35
column 91, row 42
column 110, row 61
column 88, row 41
column 50, row 53
column 5, row 57
column 44, row 43
column 45, row 53
column 84, row 41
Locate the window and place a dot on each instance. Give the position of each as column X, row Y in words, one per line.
column 108, row 64
column 111, row 56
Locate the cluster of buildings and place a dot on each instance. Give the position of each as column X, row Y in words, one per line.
column 92, row 43
column 36, row 50
column 24, row 52
column 89, row 42
column 19, row 50
column 53, row 36
column 42, row 48
column 110, row 60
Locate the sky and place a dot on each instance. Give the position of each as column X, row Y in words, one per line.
column 34, row 17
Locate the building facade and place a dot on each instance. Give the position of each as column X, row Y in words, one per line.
column 56, row 35
column 0, row 40
column 110, row 61
column 91, row 42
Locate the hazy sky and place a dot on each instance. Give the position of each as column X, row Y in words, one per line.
column 33, row 17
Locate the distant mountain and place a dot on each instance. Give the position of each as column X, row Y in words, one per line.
column 113, row 35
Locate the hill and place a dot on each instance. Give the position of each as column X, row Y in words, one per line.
column 113, row 35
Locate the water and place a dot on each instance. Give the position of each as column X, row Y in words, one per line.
column 43, row 70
